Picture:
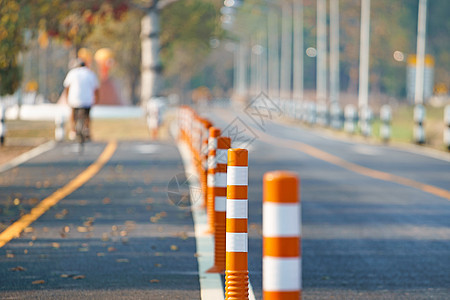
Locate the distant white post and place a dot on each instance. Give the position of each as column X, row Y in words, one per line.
column 363, row 92
column 420, row 66
column 321, row 75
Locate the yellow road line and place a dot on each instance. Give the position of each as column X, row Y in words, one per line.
column 322, row 155
column 17, row 227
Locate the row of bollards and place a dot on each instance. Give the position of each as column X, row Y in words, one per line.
column 227, row 213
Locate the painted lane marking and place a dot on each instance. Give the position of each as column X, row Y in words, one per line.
column 17, row 227
column 325, row 156
column 27, row 156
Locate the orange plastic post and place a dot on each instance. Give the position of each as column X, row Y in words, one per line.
column 281, row 237
column 236, row 273
column 214, row 133
column 218, row 202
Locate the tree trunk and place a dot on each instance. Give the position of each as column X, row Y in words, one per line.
column 151, row 79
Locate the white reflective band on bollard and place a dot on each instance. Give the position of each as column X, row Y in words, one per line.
column 236, row 242
column 220, row 180
column 220, row 204
column 282, row 274
column 237, row 209
column 281, row 220
column 237, row 175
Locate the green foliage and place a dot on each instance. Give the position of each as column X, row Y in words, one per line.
column 11, row 42
column 186, row 29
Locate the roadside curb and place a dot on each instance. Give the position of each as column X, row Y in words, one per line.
column 27, row 156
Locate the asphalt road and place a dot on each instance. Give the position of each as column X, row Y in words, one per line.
column 116, row 237
column 375, row 219
column 363, row 237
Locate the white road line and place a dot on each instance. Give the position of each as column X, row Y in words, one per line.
column 210, row 283
column 27, row 156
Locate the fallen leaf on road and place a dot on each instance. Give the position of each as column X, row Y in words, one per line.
column 65, row 275
column 56, row 245
column 29, row 229
column 196, row 255
column 158, row 265
column 82, row 229
column 174, row 247
column 9, row 255
column 18, row 269
column 38, row 282
column 105, row 237
column 100, row 254
column 154, row 281
column 123, row 233
column 25, row 251
column 106, row 200
column 112, row 249
column 79, row 277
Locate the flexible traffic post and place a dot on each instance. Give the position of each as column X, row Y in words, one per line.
column 59, row 128
column 419, row 119
column 218, row 202
column 350, row 119
column 214, row 134
column 281, row 237
column 236, row 273
column 447, row 126
column 385, row 128
column 2, row 125
column 203, row 157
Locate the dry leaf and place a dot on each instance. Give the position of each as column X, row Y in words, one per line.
column 106, row 200
column 25, row 251
column 196, row 255
column 9, row 255
column 56, row 245
column 82, row 229
column 112, row 249
column 154, row 281
column 174, row 247
column 79, row 277
column 158, row 265
column 105, row 237
column 28, row 230
column 123, row 233
column 38, row 282
column 100, row 254
column 65, row 275
column 18, row 269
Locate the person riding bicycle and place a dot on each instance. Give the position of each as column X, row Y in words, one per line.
column 82, row 89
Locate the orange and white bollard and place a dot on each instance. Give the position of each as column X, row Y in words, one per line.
column 218, row 202
column 214, row 134
column 281, row 236
column 236, row 273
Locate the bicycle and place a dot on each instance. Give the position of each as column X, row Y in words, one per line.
column 81, row 129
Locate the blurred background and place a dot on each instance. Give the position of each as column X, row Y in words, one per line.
column 214, row 49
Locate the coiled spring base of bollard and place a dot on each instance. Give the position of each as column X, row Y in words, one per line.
column 219, row 248
column 236, row 287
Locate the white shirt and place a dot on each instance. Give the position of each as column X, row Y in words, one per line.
column 82, row 83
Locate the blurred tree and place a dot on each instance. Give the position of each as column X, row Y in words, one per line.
column 11, row 41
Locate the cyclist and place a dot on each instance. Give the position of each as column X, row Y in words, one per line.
column 82, row 90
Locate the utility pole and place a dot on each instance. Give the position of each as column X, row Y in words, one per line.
column 363, row 93
column 419, row 109
column 321, row 76
column 334, row 51
column 273, row 55
column 420, row 57
column 151, row 76
column 298, row 51
column 286, row 49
